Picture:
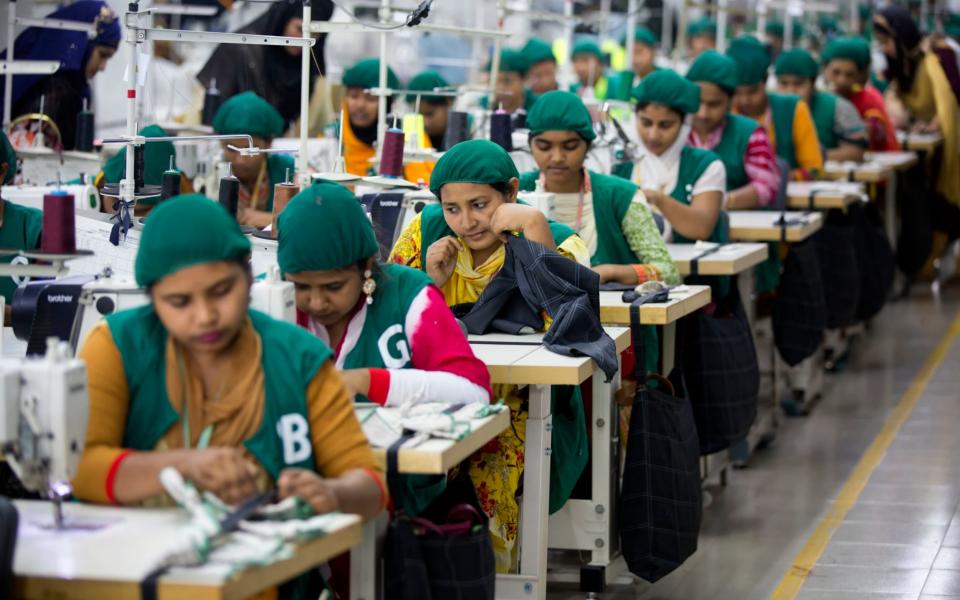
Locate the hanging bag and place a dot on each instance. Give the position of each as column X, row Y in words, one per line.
column 876, row 260
column 721, row 373
column 799, row 310
column 660, row 501
column 445, row 552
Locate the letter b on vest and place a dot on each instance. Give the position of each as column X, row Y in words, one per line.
column 294, row 432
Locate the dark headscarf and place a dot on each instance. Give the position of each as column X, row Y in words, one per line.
column 71, row 48
column 269, row 71
column 903, row 29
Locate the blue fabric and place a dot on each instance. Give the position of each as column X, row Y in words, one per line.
column 71, row 48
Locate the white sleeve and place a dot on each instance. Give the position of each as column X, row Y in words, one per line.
column 714, row 179
column 415, row 385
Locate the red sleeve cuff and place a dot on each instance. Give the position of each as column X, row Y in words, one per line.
column 112, row 474
column 379, row 386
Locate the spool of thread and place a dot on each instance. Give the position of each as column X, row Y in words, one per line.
column 84, row 131
column 414, row 131
column 59, row 223
column 229, row 195
column 211, row 103
column 282, row 194
column 391, row 158
column 501, row 130
column 169, row 184
column 458, row 129
column 139, row 162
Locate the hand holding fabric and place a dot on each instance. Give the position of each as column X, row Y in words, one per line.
column 225, row 472
column 309, row 487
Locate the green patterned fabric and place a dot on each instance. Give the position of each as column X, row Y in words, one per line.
column 667, row 88
column 856, row 49
column 713, row 67
column 797, row 62
column 473, row 161
column 427, row 81
column 587, row 46
column 248, row 114
column 560, row 111
column 366, row 74
column 537, row 51
column 702, row 27
column 752, row 58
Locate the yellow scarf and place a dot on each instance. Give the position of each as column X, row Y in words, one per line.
column 468, row 282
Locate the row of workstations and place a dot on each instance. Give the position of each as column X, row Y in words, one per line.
column 122, row 547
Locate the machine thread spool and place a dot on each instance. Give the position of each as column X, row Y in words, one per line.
column 414, row 131
column 501, row 130
column 84, row 130
column 211, row 103
column 229, row 195
column 139, row 162
column 169, row 183
column 391, row 158
column 282, row 194
column 59, row 223
column 458, row 129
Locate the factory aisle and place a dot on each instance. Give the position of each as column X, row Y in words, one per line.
column 895, row 539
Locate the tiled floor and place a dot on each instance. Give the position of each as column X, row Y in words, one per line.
column 900, row 541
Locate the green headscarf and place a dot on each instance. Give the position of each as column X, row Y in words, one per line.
column 796, row 62
column 752, row 58
column 668, row 88
column 324, row 228
column 8, row 156
column 856, row 49
column 185, row 231
column 643, row 35
column 366, row 74
column 473, row 161
column 776, row 29
column 702, row 27
column 427, row 81
column 560, row 111
column 587, row 46
column 513, row 61
column 156, row 160
column 713, row 67
column 248, row 114
column 537, row 51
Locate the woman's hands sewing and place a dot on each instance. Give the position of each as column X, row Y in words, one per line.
column 225, row 472
column 309, row 487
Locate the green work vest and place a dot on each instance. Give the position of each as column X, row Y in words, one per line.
column 611, row 200
column 277, row 165
column 783, row 109
column 570, row 446
column 385, row 344
column 823, row 108
column 21, row 230
column 291, row 357
column 733, row 147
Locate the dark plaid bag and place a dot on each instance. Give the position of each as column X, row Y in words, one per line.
column 799, row 310
column 875, row 259
column 838, row 268
column 915, row 240
column 660, row 500
column 445, row 552
column 721, row 373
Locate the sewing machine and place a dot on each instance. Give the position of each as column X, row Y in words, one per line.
column 68, row 308
column 540, row 200
column 42, row 165
column 85, row 196
column 43, row 419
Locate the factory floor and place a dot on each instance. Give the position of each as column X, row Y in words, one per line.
column 858, row 500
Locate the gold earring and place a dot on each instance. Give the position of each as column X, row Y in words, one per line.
column 369, row 285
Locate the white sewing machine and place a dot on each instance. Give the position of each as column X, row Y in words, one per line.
column 85, row 197
column 43, row 419
column 541, row 200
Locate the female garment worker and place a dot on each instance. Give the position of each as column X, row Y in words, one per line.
column 917, row 77
column 605, row 211
column 362, row 108
column 685, row 184
column 81, row 58
column 787, row 119
column 249, row 114
column 846, row 67
column 459, row 244
column 195, row 380
column 842, row 134
column 752, row 174
column 753, row 177
column 382, row 320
